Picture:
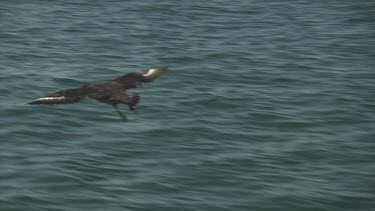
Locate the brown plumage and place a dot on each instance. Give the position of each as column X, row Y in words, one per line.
column 112, row 92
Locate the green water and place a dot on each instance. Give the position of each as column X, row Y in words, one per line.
column 268, row 105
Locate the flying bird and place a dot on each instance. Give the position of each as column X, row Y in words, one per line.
column 112, row 92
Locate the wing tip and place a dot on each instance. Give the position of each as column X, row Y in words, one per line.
column 52, row 100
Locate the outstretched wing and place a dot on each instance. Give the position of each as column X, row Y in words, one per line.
column 134, row 79
column 63, row 97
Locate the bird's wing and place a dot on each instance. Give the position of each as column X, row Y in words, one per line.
column 64, row 97
column 132, row 80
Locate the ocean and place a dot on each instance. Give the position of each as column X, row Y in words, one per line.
column 267, row 105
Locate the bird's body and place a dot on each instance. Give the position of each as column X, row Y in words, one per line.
column 113, row 92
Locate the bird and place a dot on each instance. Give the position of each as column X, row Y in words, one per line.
column 112, row 92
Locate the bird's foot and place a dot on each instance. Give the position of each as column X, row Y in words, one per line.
column 133, row 110
column 124, row 119
column 122, row 115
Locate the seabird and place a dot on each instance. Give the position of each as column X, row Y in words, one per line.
column 112, row 92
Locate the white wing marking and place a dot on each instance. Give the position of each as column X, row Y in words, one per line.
column 51, row 98
column 150, row 71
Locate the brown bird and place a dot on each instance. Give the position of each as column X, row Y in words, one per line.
column 112, row 92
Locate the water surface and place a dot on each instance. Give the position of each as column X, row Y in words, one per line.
column 268, row 105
